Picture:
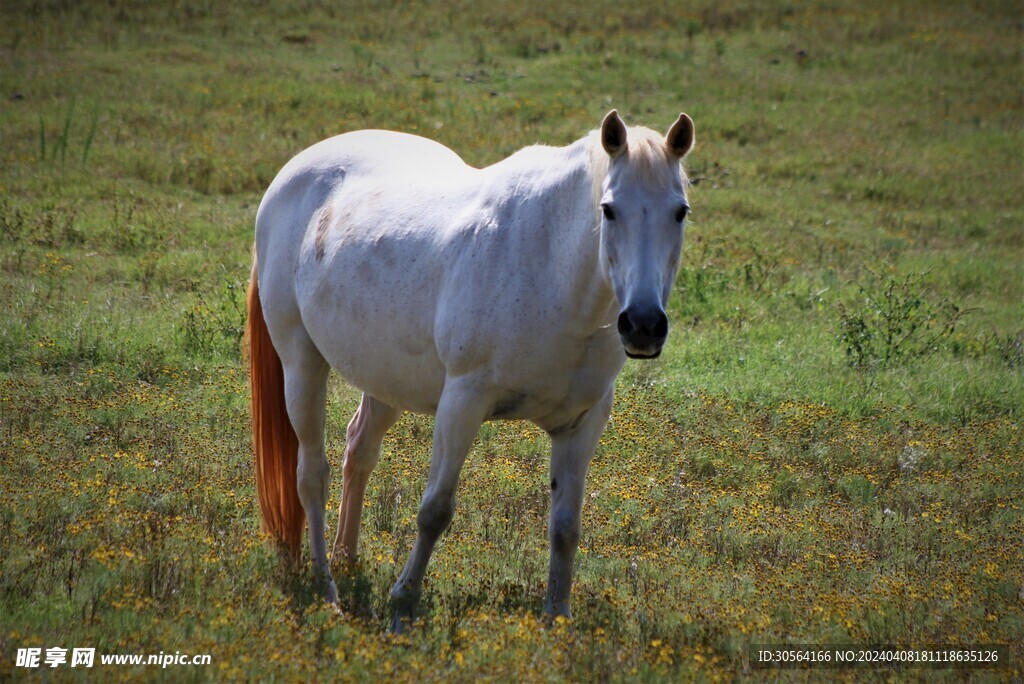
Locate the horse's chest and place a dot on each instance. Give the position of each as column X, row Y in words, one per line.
column 592, row 380
column 552, row 392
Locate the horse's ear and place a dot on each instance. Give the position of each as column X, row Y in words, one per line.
column 613, row 134
column 680, row 137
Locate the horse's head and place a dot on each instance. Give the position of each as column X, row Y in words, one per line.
column 644, row 207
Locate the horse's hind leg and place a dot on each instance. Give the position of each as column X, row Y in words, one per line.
column 459, row 416
column 305, row 386
column 362, row 451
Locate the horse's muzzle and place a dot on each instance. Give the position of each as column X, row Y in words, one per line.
column 643, row 332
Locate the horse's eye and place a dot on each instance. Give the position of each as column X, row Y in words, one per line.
column 609, row 213
column 681, row 213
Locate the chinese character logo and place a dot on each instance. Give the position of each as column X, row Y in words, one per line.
column 83, row 657
column 28, row 657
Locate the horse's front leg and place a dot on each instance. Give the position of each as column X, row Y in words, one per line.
column 571, row 452
column 460, row 413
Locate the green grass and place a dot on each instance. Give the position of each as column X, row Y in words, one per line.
column 761, row 483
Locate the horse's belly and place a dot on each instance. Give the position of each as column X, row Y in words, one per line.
column 410, row 383
column 403, row 375
column 378, row 336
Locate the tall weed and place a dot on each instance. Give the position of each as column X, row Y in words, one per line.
column 214, row 325
column 895, row 318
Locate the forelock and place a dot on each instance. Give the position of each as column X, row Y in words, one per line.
column 649, row 157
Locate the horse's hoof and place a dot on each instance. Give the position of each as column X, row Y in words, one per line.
column 552, row 620
column 400, row 623
column 403, row 603
column 331, row 591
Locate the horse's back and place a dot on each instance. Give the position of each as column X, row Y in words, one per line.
column 375, row 151
column 305, row 182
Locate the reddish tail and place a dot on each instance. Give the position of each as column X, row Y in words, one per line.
column 277, row 448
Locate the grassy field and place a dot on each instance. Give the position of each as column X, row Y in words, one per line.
column 829, row 451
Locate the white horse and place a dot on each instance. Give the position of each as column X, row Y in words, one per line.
column 511, row 292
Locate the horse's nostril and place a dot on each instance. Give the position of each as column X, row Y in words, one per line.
column 625, row 325
column 660, row 328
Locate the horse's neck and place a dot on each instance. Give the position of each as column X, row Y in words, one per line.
column 567, row 187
